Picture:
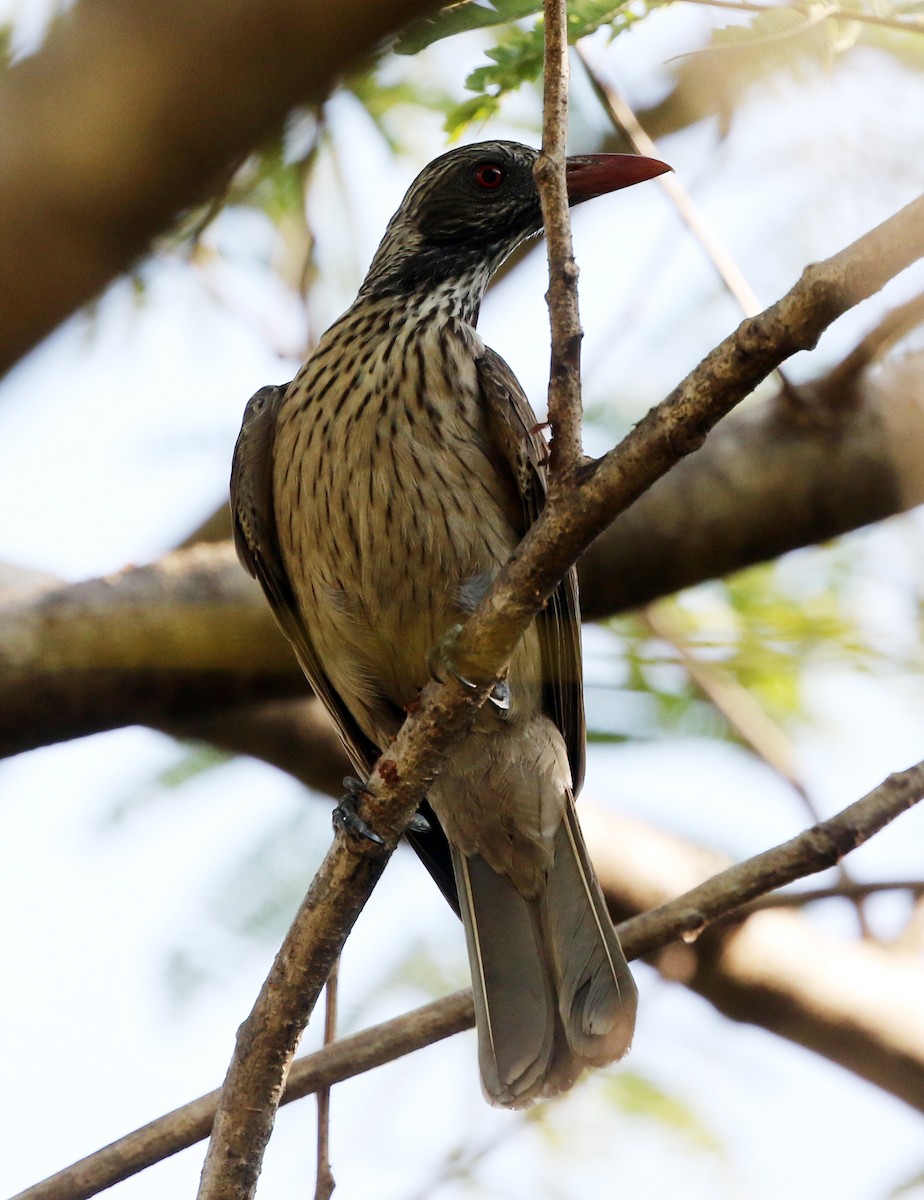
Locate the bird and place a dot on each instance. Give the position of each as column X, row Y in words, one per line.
column 375, row 498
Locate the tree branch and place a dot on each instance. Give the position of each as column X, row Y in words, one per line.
column 562, row 296
column 840, row 384
column 626, row 123
column 856, row 1003
column 86, row 182
column 192, row 1123
column 267, row 1039
column 845, row 890
column 618, row 847
column 159, row 641
column 679, row 425
column 822, row 846
column 766, row 481
column 446, row 710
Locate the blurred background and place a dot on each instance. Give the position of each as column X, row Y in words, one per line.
column 145, row 882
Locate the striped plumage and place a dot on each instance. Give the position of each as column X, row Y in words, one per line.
column 375, row 498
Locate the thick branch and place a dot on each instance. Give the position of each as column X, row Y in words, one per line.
column 267, row 1039
column 767, row 480
column 126, row 117
column 168, row 640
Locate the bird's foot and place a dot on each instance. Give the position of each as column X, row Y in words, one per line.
column 440, row 659
column 500, row 696
column 346, row 815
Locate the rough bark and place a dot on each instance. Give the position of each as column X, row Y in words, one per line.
column 183, row 636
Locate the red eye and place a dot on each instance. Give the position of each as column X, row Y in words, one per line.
column 489, row 176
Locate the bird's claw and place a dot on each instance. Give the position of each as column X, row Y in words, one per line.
column 500, row 696
column 419, row 824
column 439, row 658
column 346, row 815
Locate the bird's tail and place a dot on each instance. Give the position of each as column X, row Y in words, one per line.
column 553, row 992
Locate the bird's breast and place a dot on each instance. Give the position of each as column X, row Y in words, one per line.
column 390, row 503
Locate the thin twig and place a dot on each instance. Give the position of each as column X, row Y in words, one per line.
column 817, row 849
column 624, row 119
column 735, row 703
column 837, row 891
column 686, row 917
column 185, row 1126
column 750, row 722
column 324, row 1179
column 562, row 297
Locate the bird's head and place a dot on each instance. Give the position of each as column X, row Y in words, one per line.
column 468, row 209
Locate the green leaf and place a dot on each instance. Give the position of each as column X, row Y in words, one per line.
column 462, row 18
column 478, row 109
column 518, row 55
column 516, row 59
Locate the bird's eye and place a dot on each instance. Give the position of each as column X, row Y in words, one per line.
column 489, row 176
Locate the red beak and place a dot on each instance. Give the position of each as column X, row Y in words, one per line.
column 590, row 175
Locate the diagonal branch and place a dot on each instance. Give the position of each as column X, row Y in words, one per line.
column 822, row 846
column 814, row 850
column 749, row 720
column 192, row 1122
column 839, row 387
column 84, row 189
column 626, row 122
column 679, row 425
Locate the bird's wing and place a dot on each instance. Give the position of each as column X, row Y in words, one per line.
column 522, row 449
column 255, row 539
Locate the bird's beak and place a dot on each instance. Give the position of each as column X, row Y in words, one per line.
column 589, row 175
